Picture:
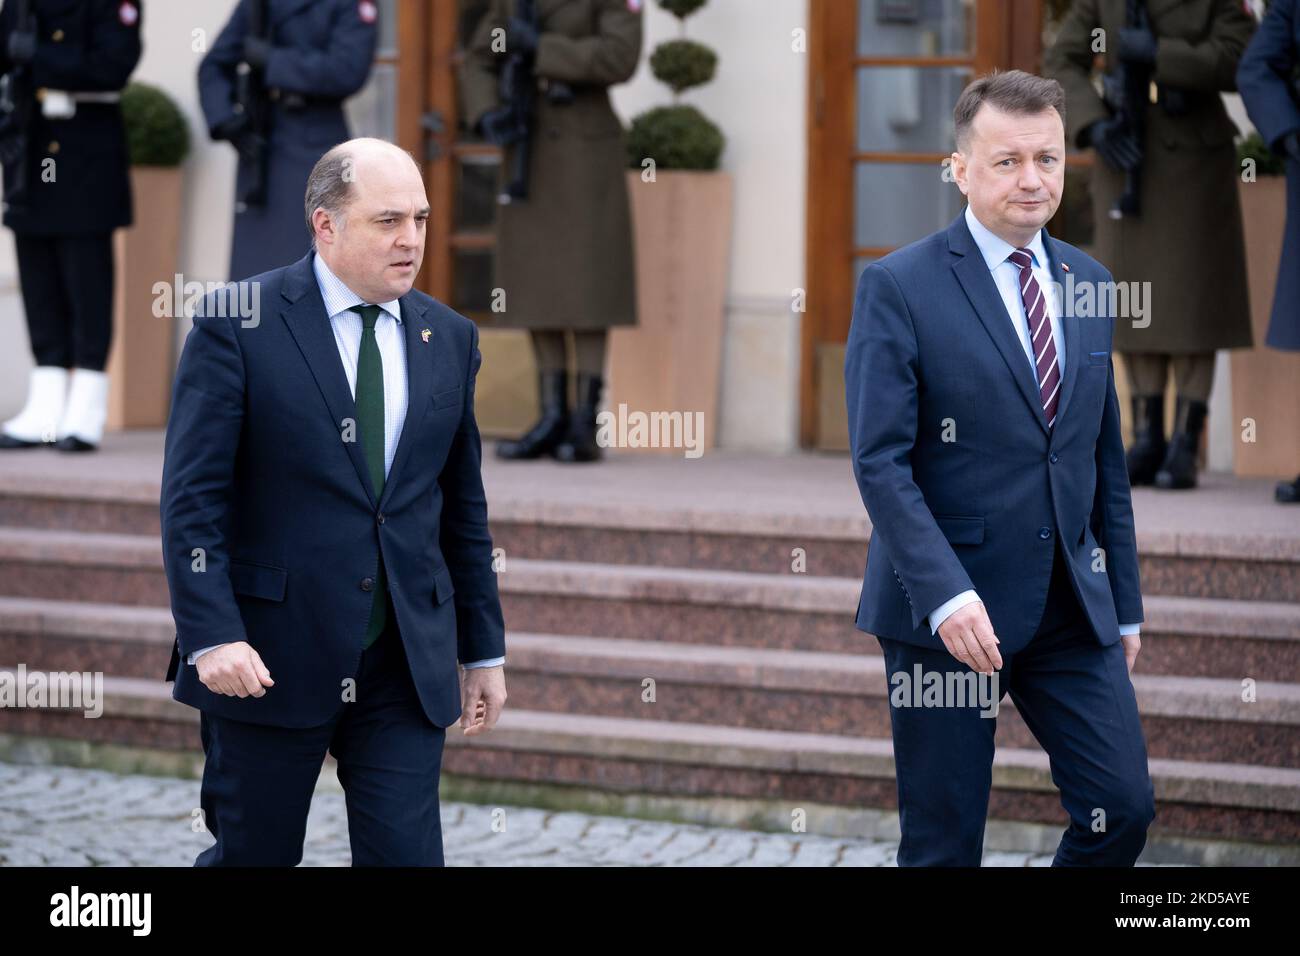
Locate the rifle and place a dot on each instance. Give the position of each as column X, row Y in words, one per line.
column 251, row 102
column 1129, row 95
column 16, row 102
column 513, row 123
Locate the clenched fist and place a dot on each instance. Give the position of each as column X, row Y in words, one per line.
column 235, row 670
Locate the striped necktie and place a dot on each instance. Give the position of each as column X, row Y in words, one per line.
column 1040, row 335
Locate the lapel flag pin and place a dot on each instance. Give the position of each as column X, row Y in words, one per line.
column 424, row 335
column 1065, row 266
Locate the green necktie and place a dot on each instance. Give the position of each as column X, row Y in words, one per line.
column 370, row 422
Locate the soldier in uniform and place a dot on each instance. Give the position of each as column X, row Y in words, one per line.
column 310, row 56
column 1269, row 80
column 66, row 189
column 1187, row 240
column 564, row 255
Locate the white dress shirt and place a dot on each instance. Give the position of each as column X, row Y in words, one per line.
column 339, row 301
column 1006, row 275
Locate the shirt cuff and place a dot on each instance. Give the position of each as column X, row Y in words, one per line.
column 493, row 662
column 1126, row 629
column 944, row 610
column 195, row 655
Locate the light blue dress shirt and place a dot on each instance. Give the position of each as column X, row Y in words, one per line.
column 1006, row 275
column 339, row 301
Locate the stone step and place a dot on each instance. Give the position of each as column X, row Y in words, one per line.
column 1183, row 564
column 1194, row 637
column 1187, row 718
column 1183, row 718
column 1202, row 799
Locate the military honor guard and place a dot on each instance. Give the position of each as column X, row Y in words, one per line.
column 1164, row 192
column 273, row 86
column 66, row 188
column 564, row 246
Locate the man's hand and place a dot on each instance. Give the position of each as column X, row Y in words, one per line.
column 1137, row 45
column 482, row 697
column 235, row 670
column 1115, row 143
column 1132, row 644
column 968, row 634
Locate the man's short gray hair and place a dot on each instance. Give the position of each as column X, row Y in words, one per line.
column 1014, row 91
column 329, row 187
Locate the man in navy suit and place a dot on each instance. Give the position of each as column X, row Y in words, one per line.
column 325, row 531
column 986, row 445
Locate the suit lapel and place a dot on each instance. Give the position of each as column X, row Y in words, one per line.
column 976, row 280
column 304, row 314
column 1071, row 371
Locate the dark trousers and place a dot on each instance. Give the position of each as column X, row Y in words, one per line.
column 67, row 285
column 1076, row 698
column 258, row 780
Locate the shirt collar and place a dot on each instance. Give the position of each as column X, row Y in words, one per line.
column 339, row 298
column 996, row 249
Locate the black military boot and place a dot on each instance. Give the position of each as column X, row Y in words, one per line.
column 553, row 395
column 1179, row 467
column 1288, row 492
column 580, row 443
column 1148, row 448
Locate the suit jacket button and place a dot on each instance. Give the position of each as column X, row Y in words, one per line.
column 367, row 584
column 380, row 519
column 1055, row 458
column 1044, row 533
column 57, row 36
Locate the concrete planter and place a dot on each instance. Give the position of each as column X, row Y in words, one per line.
column 141, row 361
column 1265, row 381
column 671, row 360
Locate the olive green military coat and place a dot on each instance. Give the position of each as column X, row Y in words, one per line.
column 564, row 256
column 1188, row 241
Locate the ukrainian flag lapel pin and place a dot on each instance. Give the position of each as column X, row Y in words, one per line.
column 424, row 336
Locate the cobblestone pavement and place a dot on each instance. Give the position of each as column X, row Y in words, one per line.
column 63, row 816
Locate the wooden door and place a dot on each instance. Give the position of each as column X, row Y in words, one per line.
column 885, row 75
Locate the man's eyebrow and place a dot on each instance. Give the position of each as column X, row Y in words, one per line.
column 398, row 213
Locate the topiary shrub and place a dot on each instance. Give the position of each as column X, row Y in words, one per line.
column 678, row 136
column 683, row 64
column 156, row 131
column 1267, row 162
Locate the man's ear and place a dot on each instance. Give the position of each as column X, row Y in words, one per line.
column 958, row 163
column 324, row 226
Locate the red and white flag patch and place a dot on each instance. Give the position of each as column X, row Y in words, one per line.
column 128, row 14
column 367, row 11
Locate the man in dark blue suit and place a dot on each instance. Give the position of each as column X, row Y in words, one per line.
column 1269, row 81
column 325, row 531
column 986, row 445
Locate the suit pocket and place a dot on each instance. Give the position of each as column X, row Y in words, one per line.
column 1098, row 358
column 258, row 580
column 445, row 399
column 442, row 586
column 961, row 529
